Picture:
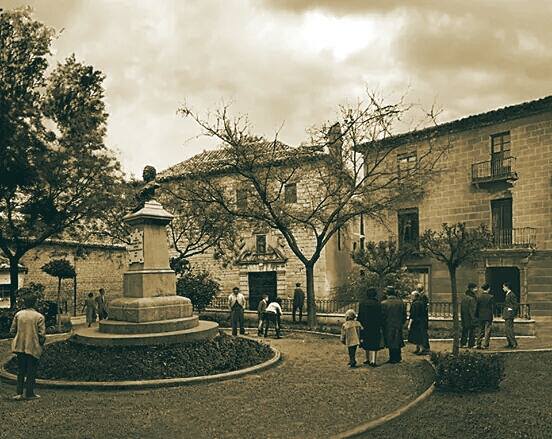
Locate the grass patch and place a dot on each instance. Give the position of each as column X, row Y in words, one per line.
column 76, row 362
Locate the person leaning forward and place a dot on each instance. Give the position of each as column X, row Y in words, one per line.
column 394, row 318
column 484, row 314
column 30, row 334
column 236, row 304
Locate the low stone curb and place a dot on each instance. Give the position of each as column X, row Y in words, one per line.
column 141, row 384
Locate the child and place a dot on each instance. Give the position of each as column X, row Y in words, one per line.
column 350, row 335
column 90, row 308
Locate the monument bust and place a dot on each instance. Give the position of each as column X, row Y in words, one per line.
column 147, row 193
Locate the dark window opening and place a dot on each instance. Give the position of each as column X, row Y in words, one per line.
column 290, row 193
column 406, row 163
column 241, row 198
column 501, row 213
column 409, row 227
column 500, row 152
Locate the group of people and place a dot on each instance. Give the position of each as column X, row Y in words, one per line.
column 379, row 324
column 477, row 313
column 269, row 312
column 95, row 307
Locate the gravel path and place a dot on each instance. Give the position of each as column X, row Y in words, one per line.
column 312, row 394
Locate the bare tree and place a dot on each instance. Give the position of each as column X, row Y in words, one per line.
column 455, row 245
column 341, row 173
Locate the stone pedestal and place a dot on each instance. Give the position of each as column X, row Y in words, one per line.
column 149, row 312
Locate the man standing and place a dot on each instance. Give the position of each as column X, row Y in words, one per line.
column 30, row 334
column 236, row 303
column 425, row 330
column 261, row 313
column 394, row 318
column 509, row 312
column 484, row 314
column 101, row 305
column 467, row 313
column 298, row 301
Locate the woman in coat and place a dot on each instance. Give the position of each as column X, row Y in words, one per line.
column 369, row 316
column 417, row 326
column 90, row 309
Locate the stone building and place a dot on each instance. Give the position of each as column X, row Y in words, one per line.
column 498, row 171
column 97, row 265
column 265, row 263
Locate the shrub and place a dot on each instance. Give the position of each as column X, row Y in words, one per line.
column 468, row 371
column 198, row 286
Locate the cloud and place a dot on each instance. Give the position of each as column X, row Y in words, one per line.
column 293, row 62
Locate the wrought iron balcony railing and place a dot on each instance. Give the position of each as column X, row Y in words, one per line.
column 522, row 237
column 494, row 170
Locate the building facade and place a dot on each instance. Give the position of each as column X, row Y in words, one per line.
column 498, row 172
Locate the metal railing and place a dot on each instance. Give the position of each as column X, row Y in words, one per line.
column 522, row 237
column 330, row 306
column 496, row 169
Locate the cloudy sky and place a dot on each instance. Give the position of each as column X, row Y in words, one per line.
column 293, row 62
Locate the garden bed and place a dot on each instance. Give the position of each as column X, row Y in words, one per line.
column 76, row 362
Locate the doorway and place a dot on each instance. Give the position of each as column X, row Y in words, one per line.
column 261, row 283
column 496, row 276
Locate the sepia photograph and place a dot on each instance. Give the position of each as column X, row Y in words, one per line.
column 280, row 219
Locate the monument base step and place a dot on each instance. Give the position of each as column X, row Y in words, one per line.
column 92, row 336
column 118, row 327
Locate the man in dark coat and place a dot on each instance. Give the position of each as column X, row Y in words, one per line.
column 394, row 318
column 484, row 314
column 298, row 301
column 417, row 327
column 467, row 313
column 509, row 312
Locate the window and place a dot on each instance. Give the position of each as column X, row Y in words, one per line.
column 362, row 239
column 261, row 244
column 406, row 163
column 501, row 215
column 408, row 227
column 290, row 193
column 241, row 198
column 500, row 143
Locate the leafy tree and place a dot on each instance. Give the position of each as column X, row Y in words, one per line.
column 455, row 245
column 57, row 173
column 62, row 269
column 345, row 172
column 198, row 286
column 383, row 264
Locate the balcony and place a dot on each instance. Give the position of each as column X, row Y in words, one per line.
column 523, row 237
column 494, row 171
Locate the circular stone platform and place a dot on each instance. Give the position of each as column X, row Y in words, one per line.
column 92, row 336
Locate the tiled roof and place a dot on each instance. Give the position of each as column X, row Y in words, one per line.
column 217, row 160
column 475, row 121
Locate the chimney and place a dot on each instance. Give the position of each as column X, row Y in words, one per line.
column 335, row 142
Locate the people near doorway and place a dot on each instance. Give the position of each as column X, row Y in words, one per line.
column 101, row 305
column 261, row 314
column 350, row 335
column 417, row 325
column 29, row 328
column 394, row 318
column 298, row 301
column 467, row 314
column 509, row 312
column 420, row 289
column 369, row 316
column 484, row 314
column 273, row 316
column 236, row 303
column 89, row 309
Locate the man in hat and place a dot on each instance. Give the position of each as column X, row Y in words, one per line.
column 468, row 308
column 394, row 318
column 236, row 303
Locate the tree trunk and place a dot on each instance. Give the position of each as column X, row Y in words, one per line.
column 14, row 280
column 311, row 305
column 455, row 321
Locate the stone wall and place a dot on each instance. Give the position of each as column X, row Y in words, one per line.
column 97, row 266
